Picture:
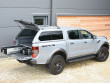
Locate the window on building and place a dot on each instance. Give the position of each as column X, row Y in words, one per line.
column 41, row 20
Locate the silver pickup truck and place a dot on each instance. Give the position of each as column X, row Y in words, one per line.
column 54, row 46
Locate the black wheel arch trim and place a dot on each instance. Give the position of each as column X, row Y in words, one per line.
column 105, row 43
column 57, row 51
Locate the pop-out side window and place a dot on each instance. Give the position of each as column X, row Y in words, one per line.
column 51, row 35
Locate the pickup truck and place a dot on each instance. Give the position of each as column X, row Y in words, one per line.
column 54, row 46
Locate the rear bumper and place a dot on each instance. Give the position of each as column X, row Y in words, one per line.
column 33, row 61
column 24, row 58
column 30, row 61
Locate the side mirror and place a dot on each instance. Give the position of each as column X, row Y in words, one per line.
column 94, row 37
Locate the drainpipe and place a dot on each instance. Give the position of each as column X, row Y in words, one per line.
column 52, row 13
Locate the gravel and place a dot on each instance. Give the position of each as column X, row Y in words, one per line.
column 87, row 71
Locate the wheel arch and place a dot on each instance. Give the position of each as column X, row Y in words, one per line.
column 105, row 44
column 61, row 52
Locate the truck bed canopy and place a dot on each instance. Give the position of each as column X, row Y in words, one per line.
column 28, row 24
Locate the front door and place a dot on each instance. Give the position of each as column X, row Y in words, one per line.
column 89, row 44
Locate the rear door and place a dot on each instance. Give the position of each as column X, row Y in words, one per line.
column 88, row 43
column 74, row 43
column 28, row 25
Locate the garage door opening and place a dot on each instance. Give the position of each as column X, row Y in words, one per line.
column 98, row 25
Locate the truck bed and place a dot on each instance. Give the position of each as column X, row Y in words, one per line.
column 20, row 56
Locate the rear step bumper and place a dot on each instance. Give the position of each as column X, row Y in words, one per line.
column 24, row 58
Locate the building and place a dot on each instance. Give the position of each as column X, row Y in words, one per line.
column 93, row 15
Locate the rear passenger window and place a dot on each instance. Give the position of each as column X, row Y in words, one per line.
column 51, row 35
column 73, row 34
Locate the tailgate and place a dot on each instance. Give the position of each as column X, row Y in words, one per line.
column 20, row 56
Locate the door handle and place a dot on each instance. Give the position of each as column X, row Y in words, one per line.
column 85, row 42
column 71, row 43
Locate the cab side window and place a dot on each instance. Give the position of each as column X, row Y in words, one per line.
column 51, row 35
column 86, row 35
column 73, row 34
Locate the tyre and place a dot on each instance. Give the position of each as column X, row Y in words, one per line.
column 56, row 65
column 102, row 54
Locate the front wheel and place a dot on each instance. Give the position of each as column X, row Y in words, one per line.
column 56, row 65
column 102, row 54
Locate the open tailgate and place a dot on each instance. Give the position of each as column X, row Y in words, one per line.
column 28, row 25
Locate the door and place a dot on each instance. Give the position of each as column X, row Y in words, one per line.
column 89, row 44
column 74, row 43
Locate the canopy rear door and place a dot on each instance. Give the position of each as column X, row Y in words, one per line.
column 28, row 25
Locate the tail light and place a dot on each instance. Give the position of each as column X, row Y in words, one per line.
column 14, row 42
column 35, row 52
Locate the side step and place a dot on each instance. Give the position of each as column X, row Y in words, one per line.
column 81, row 58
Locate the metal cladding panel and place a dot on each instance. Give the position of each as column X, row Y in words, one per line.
column 25, row 4
column 83, row 4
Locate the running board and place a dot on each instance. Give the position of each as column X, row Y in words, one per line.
column 81, row 58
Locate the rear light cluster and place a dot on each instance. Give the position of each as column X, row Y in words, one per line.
column 35, row 52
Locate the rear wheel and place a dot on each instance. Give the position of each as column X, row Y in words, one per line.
column 56, row 65
column 102, row 54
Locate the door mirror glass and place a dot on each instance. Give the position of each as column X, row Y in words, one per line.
column 94, row 37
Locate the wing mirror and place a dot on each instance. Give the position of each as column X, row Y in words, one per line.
column 94, row 37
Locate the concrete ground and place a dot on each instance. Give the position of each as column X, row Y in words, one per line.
column 87, row 71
